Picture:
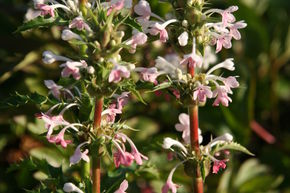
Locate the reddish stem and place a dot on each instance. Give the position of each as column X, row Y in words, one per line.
column 193, row 125
column 96, row 168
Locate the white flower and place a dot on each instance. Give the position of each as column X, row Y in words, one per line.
column 168, row 68
column 169, row 142
column 68, row 35
column 48, row 57
column 183, row 39
column 70, row 187
column 209, row 57
column 227, row 64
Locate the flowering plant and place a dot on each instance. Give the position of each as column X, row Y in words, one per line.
column 83, row 107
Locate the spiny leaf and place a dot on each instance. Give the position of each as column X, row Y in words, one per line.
column 17, row 100
column 161, row 86
column 231, row 146
column 40, row 21
column 133, row 23
column 138, row 95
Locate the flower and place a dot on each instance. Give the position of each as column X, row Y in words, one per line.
column 70, row 187
column 54, row 88
column 171, row 68
column 123, row 187
column 68, row 35
column 192, row 59
column 201, row 93
column 230, row 82
column 143, row 9
column 183, row 127
column 217, row 165
column 73, row 68
column 46, row 9
column 169, row 142
column 118, row 72
column 80, row 24
column 138, row 38
column 221, row 93
column 234, row 29
column 169, row 185
column 59, row 139
column 227, row 16
column 121, row 100
column 157, row 28
column 227, row 64
column 208, row 58
column 134, row 151
column 78, row 155
column 148, row 74
column 48, row 57
column 183, row 39
column 121, row 157
column 116, row 5
column 110, row 114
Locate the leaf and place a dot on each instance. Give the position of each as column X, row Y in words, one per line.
column 27, row 164
column 86, row 106
column 40, row 21
column 138, row 95
column 17, row 100
column 133, row 23
column 161, row 86
column 231, row 146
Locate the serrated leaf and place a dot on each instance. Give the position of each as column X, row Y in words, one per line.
column 231, row 146
column 17, row 100
column 133, row 23
column 161, row 86
column 40, row 21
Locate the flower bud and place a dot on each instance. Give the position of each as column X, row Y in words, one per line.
column 68, row 35
column 90, row 70
column 131, row 67
column 70, row 187
column 183, row 39
column 184, row 23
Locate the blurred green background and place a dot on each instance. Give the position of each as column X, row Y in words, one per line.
column 258, row 117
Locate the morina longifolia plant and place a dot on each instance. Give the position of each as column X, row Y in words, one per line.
column 94, row 85
column 194, row 76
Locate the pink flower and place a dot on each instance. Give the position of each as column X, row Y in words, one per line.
column 234, row 29
column 46, row 9
column 201, row 93
column 223, row 41
column 122, row 157
column 72, row 68
column 122, row 100
column 80, row 24
column 118, row 73
column 116, row 6
column 192, row 59
column 143, row 9
column 59, row 139
column 54, row 88
column 78, row 155
column 227, row 16
column 123, row 187
column 110, row 114
column 176, row 93
column 139, row 38
column 134, row 151
column 148, row 74
column 217, row 165
column 158, row 28
column 230, row 82
column 221, row 93
column 183, row 127
column 51, row 122
column 169, row 185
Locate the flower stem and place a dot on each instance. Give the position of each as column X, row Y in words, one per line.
column 96, row 165
column 193, row 123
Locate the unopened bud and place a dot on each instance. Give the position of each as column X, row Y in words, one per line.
column 131, row 67
column 90, row 70
column 184, row 23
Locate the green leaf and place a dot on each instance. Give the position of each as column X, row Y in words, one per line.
column 231, row 146
column 40, row 21
column 133, row 23
column 17, row 100
column 138, row 95
column 86, row 106
column 161, row 86
column 27, row 163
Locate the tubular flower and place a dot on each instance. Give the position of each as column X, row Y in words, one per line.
column 157, row 28
column 78, row 155
column 123, row 187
